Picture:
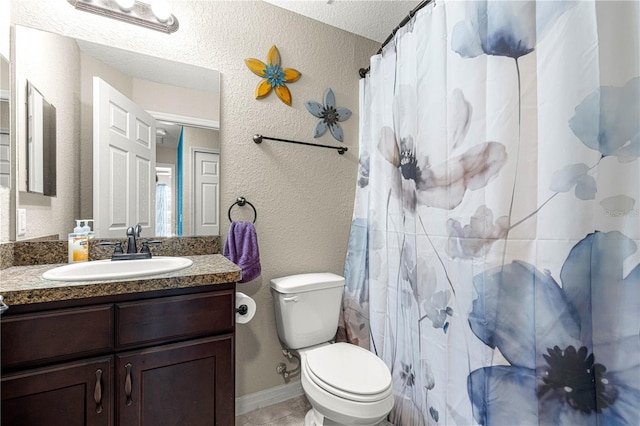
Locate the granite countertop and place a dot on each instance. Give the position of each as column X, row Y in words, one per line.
column 22, row 285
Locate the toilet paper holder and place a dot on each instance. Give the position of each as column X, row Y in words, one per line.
column 245, row 308
column 242, row 309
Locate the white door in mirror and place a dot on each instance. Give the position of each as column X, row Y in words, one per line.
column 111, row 270
column 124, row 186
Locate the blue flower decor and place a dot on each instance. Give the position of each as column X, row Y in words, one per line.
column 565, row 367
column 329, row 116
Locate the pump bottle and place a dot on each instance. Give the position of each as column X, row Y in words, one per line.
column 87, row 229
column 78, row 244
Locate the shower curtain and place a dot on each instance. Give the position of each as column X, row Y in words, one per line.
column 162, row 210
column 494, row 254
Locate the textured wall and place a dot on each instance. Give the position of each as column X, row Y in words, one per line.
column 303, row 195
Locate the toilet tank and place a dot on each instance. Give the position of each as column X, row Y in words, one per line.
column 307, row 308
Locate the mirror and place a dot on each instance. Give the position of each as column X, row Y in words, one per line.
column 41, row 143
column 184, row 101
column 5, row 149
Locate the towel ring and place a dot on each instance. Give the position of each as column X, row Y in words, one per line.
column 241, row 201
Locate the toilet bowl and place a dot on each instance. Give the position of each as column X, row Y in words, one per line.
column 345, row 384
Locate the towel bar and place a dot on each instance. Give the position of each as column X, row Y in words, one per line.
column 259, row 138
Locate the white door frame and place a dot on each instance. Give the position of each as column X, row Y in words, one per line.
column 185, row 120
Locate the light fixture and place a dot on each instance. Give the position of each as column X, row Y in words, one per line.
column 162, row 9
column 160, row 134
column 156, row 16
column 125, row 5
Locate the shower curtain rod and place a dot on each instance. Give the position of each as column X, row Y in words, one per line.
column 363, row 71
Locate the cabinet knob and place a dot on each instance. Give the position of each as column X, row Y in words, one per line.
column 127, row 383
column 97, row 392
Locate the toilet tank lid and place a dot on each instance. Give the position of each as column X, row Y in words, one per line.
column 306, row 282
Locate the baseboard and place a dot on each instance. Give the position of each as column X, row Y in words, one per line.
column 266, row 397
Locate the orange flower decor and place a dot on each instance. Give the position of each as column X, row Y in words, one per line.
column 273, row 76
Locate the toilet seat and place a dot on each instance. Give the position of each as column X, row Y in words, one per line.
column 349, row 372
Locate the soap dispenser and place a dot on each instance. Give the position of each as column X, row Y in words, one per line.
column 78, row 244
column 87, row 229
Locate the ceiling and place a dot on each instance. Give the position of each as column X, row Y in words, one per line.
column 374, row 20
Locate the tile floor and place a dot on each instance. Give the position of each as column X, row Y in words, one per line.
column 286, row 413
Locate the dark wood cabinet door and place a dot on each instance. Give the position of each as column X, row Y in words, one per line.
column 189, row 383
column 73, row 394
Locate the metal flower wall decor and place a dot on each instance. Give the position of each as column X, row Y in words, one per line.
column 273, row 76
column 329, row 116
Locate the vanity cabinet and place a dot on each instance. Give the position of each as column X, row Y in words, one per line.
column 155, row 359
column 180, row 384
column 71, row 394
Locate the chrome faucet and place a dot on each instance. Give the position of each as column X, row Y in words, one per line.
column 132, row 253
column 133, row 232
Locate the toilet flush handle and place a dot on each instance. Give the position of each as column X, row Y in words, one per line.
column 291, row 299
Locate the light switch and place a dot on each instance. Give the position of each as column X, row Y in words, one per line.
column 22, row 222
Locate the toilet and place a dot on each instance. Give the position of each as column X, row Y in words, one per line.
column 344, row 383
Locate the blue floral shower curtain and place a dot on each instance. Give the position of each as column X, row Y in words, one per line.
column 494, row 254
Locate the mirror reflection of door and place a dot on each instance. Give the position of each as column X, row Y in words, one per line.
column 206, row 188
column 187, row 187
column 124, row 189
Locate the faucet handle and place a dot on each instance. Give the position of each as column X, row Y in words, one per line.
column 117, row 244
column 146, row 244
column 118, row 249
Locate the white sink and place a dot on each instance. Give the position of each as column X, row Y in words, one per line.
column 110, row 270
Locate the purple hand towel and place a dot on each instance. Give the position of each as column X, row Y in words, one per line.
column 241, row 248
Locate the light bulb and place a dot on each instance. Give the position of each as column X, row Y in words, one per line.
column 161, row 9
column 125, row 5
